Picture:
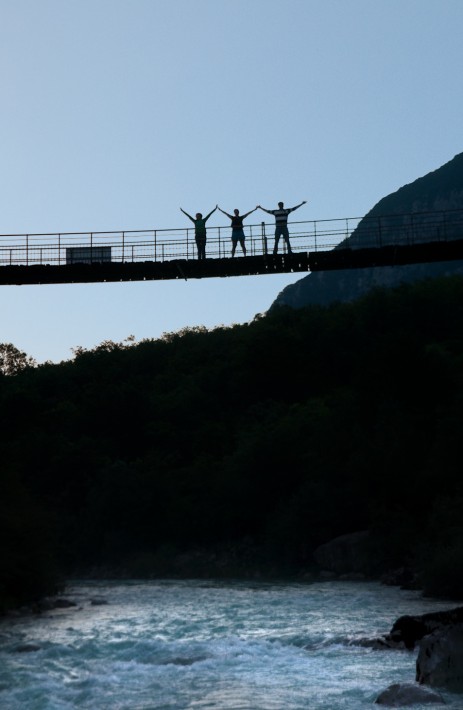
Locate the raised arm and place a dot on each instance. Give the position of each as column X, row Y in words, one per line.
column 211, row 212
column 225, row 213
column 259, row 207
column 188, row 215
column 247, row 213
column 291, row 209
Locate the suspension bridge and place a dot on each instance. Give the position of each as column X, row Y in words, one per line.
column 158, row 254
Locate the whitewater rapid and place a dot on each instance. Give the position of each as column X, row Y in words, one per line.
column 173, row 645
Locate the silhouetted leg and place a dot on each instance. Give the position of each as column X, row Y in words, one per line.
column 201, row 245
column 286, row 238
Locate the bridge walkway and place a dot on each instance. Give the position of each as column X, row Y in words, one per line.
column 342, row 243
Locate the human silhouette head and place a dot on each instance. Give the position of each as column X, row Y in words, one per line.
column 199, row 215
column 236, row 212
column 280, row 205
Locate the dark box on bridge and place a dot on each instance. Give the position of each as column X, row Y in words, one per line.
column 87, row 255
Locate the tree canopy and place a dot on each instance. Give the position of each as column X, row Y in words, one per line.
column 239, row 450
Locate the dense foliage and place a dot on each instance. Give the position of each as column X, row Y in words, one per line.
column 252, row 444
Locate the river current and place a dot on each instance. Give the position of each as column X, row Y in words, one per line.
column 174, row 645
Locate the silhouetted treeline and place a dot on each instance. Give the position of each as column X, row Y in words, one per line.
column 252, row 444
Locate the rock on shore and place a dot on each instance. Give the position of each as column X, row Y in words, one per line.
column 440, row 658
column 345, row 554
column 411, row 629
column 440, row 637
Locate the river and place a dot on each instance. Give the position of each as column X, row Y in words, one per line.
column 172, row 645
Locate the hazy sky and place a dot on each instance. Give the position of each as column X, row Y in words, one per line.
column 115, row 113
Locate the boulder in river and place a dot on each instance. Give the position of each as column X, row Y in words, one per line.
column 98, row 601
column 51, row 603
column 401, row 695
column 27, row 648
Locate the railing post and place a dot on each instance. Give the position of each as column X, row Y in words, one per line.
column 123, row 246
column 59, row 249
column 220, row 245
column 27, row 250
column 264, row 239
column 315, row 235
column 91, row 247
column 155, row 245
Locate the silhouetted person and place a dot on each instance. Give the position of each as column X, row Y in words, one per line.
column 281, row 223
column 200, row 231
column 237, row 228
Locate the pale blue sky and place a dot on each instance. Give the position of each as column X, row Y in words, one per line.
column 115, row 113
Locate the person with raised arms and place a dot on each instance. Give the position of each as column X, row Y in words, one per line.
column 281, row 223
column 237, row 228
column 200, row 230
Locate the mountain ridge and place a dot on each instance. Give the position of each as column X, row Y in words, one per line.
column 441, row 190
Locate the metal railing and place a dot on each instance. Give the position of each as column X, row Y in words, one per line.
column 169, row 244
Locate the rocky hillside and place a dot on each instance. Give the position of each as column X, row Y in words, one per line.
column 440, row 190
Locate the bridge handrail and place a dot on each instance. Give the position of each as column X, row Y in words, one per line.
column 257, row 224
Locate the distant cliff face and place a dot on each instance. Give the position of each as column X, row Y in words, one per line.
column 438, row 191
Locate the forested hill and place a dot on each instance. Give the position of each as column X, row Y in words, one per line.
column 238, row 451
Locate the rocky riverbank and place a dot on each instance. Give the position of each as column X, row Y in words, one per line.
column 439, row 664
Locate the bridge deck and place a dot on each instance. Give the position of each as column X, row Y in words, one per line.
column 153, row 270
column 390, row 255
column 335, row 259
